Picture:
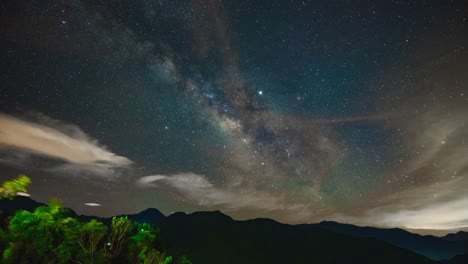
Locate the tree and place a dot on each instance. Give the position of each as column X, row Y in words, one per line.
column 50, row 235
column 92, row 240
column 15, row 187
column 141, row 248
column 134, row 242
column 45, row 235
column 183, row 260
column 120, row 231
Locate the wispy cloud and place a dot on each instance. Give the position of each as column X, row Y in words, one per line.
column 198, row 190
column 438, row 216
column 92, row 204
column 439, row 206
column 53, row 139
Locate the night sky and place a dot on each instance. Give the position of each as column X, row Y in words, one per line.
column 300, row 111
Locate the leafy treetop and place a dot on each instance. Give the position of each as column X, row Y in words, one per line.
column 15, row 187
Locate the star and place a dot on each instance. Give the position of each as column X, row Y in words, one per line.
column 339, row 105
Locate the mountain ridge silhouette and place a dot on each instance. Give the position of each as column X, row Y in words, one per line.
column 213, row 237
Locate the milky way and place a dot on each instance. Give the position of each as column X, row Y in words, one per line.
column 307, row 111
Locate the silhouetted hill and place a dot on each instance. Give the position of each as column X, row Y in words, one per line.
column 458, row 259
column 151, row 215
column 9, row 207
column 19, row 202
column 433, row 247
column 461, row 235
column 214, row 238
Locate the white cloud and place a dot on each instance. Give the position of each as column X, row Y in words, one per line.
column 149, row 181
column 92, row 204
column 439, row 216
column 440, row 206
column 56, row 140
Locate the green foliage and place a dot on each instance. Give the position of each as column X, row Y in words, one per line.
column 139, row 249
column 55, row 202
column 92, row 239
column 11, row 188
column 45, row 234
column 120, row 232
column 183, row 260
column 7, row 254
column 49, row 235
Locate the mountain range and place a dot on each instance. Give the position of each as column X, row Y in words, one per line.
column 213, row 237
column 437, row 248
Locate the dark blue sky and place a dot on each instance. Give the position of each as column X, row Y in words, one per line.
column 300, row 111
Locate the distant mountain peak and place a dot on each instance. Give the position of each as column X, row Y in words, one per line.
column 431, row 246
column 215, row 213
column 212, row 216
column 460, row 235
column 152, row 211
column 19, row 202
